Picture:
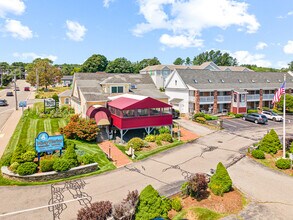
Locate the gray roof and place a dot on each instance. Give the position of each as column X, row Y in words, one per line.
column 65, row 93
column 233, row 80
column 67, row 78
column 89, row 84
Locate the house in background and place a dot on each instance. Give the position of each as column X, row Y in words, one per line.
column 89, row 89
column 193, row 91
column 67, row 80
column 160, row 73
column 65, row 97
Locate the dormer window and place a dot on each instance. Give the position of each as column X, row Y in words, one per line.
column 239, row 80
column 222, row 81
column 195, row 81
column 210, row 81
column 253, row 80
column 268, row 81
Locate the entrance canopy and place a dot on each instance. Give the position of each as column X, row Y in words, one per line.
column 101, row 114
column 101, row 118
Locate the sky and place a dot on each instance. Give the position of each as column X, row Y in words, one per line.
column 70, row 31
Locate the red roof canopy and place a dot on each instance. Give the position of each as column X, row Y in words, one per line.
column 124, row 103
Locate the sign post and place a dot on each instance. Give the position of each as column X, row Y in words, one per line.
column 22, row 104
column 46, row 143
column 49, row 103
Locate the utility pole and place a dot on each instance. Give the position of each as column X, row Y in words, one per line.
column 16, row 104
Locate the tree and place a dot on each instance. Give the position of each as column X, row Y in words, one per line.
column 96, row 211
column 217, row 57
column 120, row 65
column 69, row 69
column 290, row 66
column 179, row 61
column 261, row 69
column 95, row 63
column 289, row 102
column 144, row 63
column 187, row 61
column 47, row 73
column 197, row 185
column 20, row 67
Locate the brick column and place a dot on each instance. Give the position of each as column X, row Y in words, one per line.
column 260, row 98
column 232, row 98
column 215, row 106
column 290, row 91
column 196, row 101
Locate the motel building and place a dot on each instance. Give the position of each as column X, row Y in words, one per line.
column 193, row 91
column 128, row 112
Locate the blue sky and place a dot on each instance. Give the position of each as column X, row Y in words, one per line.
column 69, row 31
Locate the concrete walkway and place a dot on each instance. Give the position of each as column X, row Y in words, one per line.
column 194, row 127
column 119, row 158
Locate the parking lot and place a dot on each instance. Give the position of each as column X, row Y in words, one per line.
column 240, row 124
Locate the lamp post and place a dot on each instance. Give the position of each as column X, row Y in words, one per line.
column 16, row 104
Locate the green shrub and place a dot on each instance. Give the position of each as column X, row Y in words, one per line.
column 291, row 148
column 13, row 167
column 69, row 143
column 238, row 115
column 28, row 156
column 201, row 120
column 151, row 205
column 200, row 114
column 6, row 159
column 61, row 164
column 150, row 138
column 220, row 182
column 258, row 154
column 159, row 142
column 46, row 165
column 164, row 130
column 165, row 137
column 283, row 163
column 184, row 188
column 27, row 168
column 71, row 156
column 176, row 204
column 252, row 111
column 87, row 159
column 136, row 143
column 270, row 143
column 55, row 97
column 18, row 151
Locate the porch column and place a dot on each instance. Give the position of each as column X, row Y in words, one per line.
column 290, row 91
column 196, row 101
column 215, row 106
column 232, row 100
column 260, row 98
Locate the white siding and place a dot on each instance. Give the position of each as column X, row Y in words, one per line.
column 180, row 94
column 176, row 82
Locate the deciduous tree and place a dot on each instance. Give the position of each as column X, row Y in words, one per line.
column 219, row 58
column 120, row 65
column 179, row 61
column 95, row 63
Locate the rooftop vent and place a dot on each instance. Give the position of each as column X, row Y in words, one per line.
column 239, row 80
column 133, row 86
column 195, row 81
column 268, row 81
column 210, row 81
column 280, row 80
column 222, row 81
column 253, row 80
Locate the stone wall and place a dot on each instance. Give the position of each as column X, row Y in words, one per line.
column 53, row 175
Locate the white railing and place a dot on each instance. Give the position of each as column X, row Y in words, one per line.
column 253, row 97
column 268, row 96
column 206, row 99
column 224, row 98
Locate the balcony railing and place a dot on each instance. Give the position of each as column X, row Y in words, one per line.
column 253, row 97
column 224, row 99
column 206, row 99
column 268, row 96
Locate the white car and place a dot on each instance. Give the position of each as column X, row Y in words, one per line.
column 272, row 115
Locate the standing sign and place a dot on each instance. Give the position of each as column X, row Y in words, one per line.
column 22, row 104
column 46, row 143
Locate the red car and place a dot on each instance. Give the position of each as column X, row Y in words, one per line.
column 26, row 88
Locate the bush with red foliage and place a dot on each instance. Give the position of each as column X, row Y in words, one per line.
column 197, row 185
column 80, row 128
column 97, row 211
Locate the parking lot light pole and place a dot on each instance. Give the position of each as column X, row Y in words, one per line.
column 16, row 104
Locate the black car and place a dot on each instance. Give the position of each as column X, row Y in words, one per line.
column 3, row 102
column 9, row 94
column 175, row 113
column 256, row 118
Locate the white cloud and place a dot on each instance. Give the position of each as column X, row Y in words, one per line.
column 282, row 64
column 285, row 16
column 244, row 57
column 106, row 3
column 16, row 7
column 189, row 17
column 17, row 30
column 180, row 41
column 288, row 48
column 220, row 38
column 261, row 46
column 75, row 30
column 32, row 56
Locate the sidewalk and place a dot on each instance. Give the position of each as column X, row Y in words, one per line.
column 194, row 127
column 119, row 158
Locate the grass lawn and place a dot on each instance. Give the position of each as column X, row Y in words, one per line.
column 51, row 91
column 30, row 126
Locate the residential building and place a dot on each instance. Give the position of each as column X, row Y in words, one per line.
column 160, row 73
column 67, row 80
column 65, row 97
column 219, row 91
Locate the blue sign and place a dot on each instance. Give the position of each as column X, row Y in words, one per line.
column 46, row 143
column 22, row 104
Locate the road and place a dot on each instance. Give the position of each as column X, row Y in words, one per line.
column 6, row 111
column 166, row 172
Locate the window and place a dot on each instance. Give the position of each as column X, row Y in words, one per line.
column 66, row 100
column 117, row 89
column 166, row 111
column 142, row 112
column 128, row 113
column 155, row 111
column 175, row 82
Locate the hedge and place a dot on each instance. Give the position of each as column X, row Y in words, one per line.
column 176, row 204
column 71, row 156
column 150, row 138
column 258, row 154
column 61, row 164
column 46, row 165
column 283, row 164
column 201, row 120
column 135, row 143
column 28, row 156
column 87, row 159
column 165, row 137
column 27, row 168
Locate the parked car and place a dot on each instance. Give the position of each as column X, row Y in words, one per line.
column 9, row 94
column 26, row 88
column 175, row 114
column 16, row 89
column 272, row 115
column 3, row 102
column 256, row 118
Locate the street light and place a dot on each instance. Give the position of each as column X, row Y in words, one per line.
column 16, row 104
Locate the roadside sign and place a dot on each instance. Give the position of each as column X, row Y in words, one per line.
column 22, row 104
column 49, row 102
column 46, row 143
